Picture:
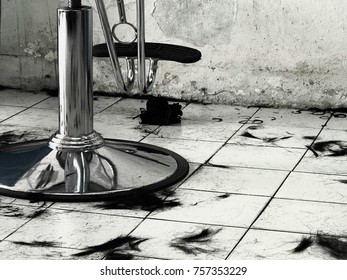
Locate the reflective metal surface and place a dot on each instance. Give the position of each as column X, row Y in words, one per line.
column 34, row 171
column 121, row 86
column 123, row 22
column 77, row 164
column 145, row 80
column 75, row 42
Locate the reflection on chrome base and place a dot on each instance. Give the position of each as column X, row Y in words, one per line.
column 33, row 170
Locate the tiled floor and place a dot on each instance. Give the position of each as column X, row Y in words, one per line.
column 260, row 180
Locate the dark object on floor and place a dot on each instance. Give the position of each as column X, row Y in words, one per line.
column 52, row 92
column 153, row 50
column 10, row 137
column 37, row 213
column 217, row 119
column 266, row 139
column 303, row 245
column 223, row 196
column 36, row 243
column 9, row 210
column 335, row 246
column 116, row 246
column 333, row 148
column 195, row 243
column 249, row 135
column 117, row 256
column 142, row 201
column 204, row 236
column 159, row 112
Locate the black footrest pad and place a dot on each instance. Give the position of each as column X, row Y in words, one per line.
column 152, row 50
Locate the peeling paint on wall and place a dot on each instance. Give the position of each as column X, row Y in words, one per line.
column 199, row 22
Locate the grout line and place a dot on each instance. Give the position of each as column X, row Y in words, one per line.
column 226, row 142
column 120, row 99
column 184, row 180
column 92, row 212
column 231, row 167
column 310, row 200
column 25, row 109
column 273, row 196
column 195, row 171
column 196, row 223
column 29, row 220
column 320, row 173
column 226, row 192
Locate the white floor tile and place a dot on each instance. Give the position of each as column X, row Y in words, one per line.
column 304, row 216
column 165, row 240
column 258, row 157
column 19, row 250
column 74, row 229
column 236, row 180
column 213, row 208
column 317, row 187
column 272, row 245
column 32, row 117
column 13, row 97
column 289, row 117
column 100, row 103
column 328, row 154
column 338, row 121
column 192, row 150
column 213, row 112
column 14, row 216
column 276, row 136
column 7, row 112
column 121, row 127
column 199, row 130
column 322, row 164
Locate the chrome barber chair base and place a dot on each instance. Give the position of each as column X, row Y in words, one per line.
column 34, row 171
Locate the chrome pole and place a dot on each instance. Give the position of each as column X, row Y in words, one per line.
column 75, row 60
column 141, row 56
column 75, row 81
column 121, row 11
column 145, row 81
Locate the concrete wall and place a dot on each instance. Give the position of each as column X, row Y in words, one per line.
column 255, row 52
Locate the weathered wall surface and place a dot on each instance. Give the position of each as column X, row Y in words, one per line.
column 255, row 52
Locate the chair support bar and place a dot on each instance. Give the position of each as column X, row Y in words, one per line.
column 145, row 78
column 121, row 86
